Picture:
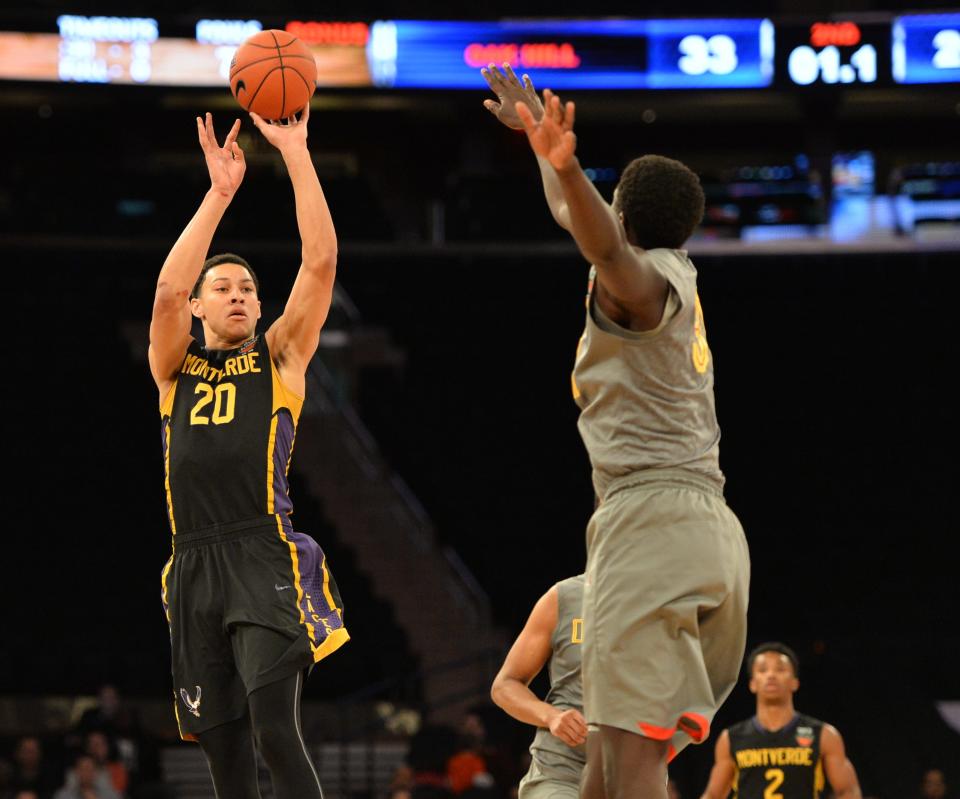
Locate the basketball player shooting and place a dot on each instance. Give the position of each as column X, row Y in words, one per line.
column 665, row 592
column 251, row 604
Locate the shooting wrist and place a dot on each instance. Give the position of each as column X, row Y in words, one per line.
column 293, row 154
column 568, row 170
column 220, row 195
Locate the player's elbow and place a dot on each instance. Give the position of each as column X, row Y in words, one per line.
column 321, row 260
column 499, row 691
column 496, row 691
column 169, row 298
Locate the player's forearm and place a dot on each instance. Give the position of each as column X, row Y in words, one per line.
column 718, row 787
column 317, row 235
column 553, row 191
column 847, row 786
column 595, row 228
column 520, row 702
column 185, row 259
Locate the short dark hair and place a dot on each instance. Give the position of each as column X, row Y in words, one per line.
column 773, row 646
column 216, row 260
column 662, row 201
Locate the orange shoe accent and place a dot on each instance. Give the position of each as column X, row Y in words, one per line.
column 657, row 733
column 694, row 725
column 671, row 752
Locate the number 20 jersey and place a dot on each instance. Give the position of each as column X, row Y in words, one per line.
column 783, row 764
column 228, row 428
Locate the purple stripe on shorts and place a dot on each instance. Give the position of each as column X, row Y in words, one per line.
column 282, row 448
column 317, row 610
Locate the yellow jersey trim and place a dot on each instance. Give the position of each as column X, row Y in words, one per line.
column 333, row 642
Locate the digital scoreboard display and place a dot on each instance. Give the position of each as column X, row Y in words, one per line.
column 130, row 50
column 926, row 48
column 582, row 54
column 833, row 52
column 603, row 54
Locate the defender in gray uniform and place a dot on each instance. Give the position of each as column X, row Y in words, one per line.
column 667, row 576
column 554, row 631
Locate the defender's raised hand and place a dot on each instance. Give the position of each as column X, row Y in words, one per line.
column 510, row 91
column 287, row 134
column 226, row 164
column 551, row 137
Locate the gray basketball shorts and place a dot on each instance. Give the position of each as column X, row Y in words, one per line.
column 664, row 606
column 551, row 776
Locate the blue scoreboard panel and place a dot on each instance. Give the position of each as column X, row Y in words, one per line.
column 926, row 48
column 582, row 54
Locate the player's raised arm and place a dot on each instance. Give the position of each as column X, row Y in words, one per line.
column 170, row 324
column 623, row 269
column 839, row 770
column 510, row 91
column 524, row 661
column 723, row 772
column 294, row 337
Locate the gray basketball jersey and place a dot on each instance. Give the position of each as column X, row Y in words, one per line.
column 566, row 687
column 646, row 398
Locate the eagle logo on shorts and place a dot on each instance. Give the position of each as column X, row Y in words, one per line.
column 805, row 736
column 192, row 704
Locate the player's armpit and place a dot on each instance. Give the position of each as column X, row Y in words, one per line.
column 632, row 287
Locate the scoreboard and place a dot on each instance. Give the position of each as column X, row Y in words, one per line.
column 926, row 48
column 582, row 54
column 635, row 54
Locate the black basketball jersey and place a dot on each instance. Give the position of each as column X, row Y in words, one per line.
column 228, row 428
column 777, row 765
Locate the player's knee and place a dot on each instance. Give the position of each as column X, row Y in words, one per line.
column 277, row 740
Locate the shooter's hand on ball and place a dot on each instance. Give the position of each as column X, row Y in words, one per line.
column 286, row 135
column 226, row 164
column 510, row 91
column 552, row 137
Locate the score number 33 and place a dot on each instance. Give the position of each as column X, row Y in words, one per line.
column 224, row 399
column 716, row 55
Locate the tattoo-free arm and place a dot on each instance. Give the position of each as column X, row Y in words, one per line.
column 526, row 658
column 170, row 322
column 625, row 272
column 510, row 91
column 837, row 767
column 295, row 335
column 723, row 772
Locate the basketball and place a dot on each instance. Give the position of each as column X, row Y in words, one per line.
column 273, row 74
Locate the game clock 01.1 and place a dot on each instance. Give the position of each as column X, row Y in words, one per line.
column 833, row 52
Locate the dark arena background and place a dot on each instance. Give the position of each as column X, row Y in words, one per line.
column 438, row 461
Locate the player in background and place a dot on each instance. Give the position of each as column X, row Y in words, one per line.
column 779, row 752
column 554, row 633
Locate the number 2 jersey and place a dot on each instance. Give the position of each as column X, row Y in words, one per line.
column 784, row 764
column 228, row 427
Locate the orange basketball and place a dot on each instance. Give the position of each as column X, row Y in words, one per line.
column 273, row 74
